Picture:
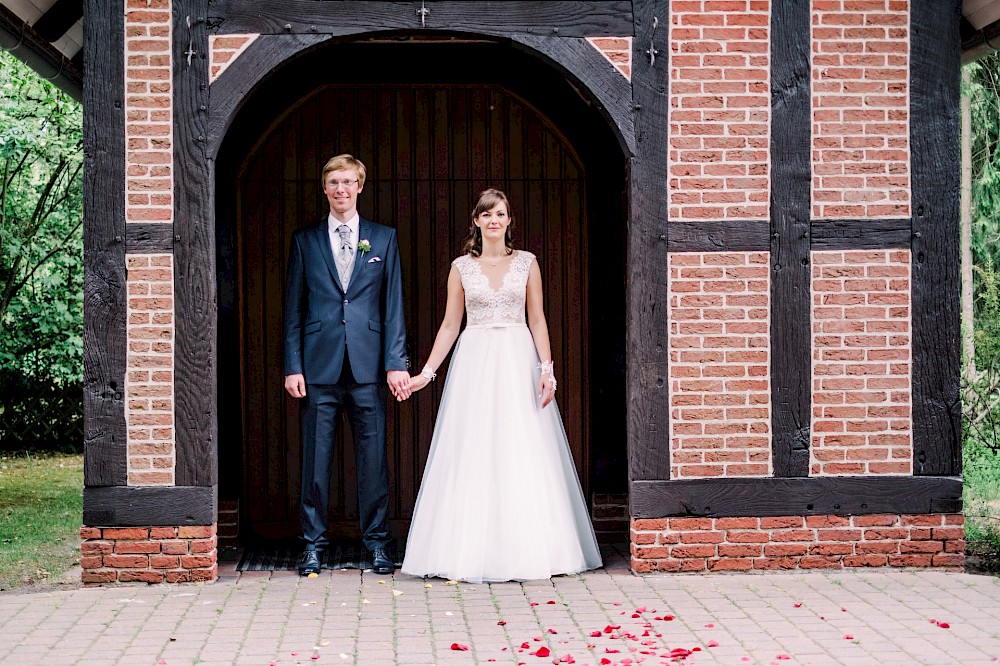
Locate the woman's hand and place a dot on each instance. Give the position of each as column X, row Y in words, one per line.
column 418, row 382
column 546, row 389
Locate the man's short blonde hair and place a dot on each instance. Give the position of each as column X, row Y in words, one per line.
column 345, row 162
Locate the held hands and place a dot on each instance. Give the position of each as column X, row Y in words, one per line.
column 296, row 385
column 547, row 384
column 546, row 389
column 418, row 382
column 399, row 383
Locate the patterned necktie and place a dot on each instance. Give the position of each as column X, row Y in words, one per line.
column 344, row 256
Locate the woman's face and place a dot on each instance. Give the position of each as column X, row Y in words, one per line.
column 493, row 223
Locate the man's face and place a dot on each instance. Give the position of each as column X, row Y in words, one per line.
column 342, row 189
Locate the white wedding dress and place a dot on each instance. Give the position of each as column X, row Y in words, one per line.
column 500, row 499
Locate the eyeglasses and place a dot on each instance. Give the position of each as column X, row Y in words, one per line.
column 343, row 183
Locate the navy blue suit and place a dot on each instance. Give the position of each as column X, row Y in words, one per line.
column 343, row 343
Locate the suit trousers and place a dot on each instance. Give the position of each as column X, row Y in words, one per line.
column 365, row 404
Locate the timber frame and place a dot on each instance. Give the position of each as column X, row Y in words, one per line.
column 637, row 113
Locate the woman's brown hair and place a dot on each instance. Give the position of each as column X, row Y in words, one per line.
column 488, row 199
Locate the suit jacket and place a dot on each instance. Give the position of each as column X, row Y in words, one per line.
column 321, row 320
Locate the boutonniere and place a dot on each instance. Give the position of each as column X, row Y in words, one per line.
column 364, row 246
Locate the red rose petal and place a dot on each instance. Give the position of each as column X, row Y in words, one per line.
column 798, row 605
column 605, row 661
column 314, row 657
column 550, row 602
column 501, row 623
column 712, row 644
column 595, row 634
column 784, row 657
column 534, row 603
column 709, row 625
column 848, row 637
column 635, row 615
column 944, row 625
column 525, row 645
column 668, row 618
column 459, row 647
column 542, row 652
column 640, row 609
column 552, row 631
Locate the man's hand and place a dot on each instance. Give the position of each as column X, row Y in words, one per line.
column 296, row 385
column 399, row 383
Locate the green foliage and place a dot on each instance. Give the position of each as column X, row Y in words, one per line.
column 41, row 236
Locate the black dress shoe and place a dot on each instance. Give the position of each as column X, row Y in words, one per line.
column 309, row 564
column 381, row 562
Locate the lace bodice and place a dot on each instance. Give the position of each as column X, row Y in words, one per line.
column 485, row 305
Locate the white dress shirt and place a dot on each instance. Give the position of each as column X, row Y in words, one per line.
column 335, row 224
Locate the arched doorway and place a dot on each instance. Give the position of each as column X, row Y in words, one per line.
column 435, row 123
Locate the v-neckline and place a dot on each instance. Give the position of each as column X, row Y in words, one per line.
column 503, row 278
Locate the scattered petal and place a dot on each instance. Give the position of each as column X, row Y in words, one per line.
column 501, row 623
column 710, row 625
column 448, row 613
column 944, row 625
column 365, row 601
column 396, row 593
column 712, row 644
column 314, row 657
column 605, row 661
column 542, row 652
column 744, row 658
column 550, row 602
column 343, row 656
column 784, row 657
column 640, row 609
column 798, row 605
column 534, row 603
column 552, row 631
column 459, row 647
column 595, row 634
column 635, row 615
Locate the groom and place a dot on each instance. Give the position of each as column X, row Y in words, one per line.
column 343, row 328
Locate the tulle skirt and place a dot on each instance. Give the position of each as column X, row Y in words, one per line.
column 500, row 499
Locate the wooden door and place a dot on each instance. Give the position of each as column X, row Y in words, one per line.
column 429, row 150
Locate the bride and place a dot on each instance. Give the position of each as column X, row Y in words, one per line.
column 500, row 499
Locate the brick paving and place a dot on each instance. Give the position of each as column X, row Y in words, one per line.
column 351, row 617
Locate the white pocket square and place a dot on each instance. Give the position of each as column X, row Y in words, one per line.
column 374, row 259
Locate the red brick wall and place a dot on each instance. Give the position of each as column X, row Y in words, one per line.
column 618, row 51
column 224, row 49
column 148, row 554
column 719, row 114
column 149, row 389
column 860, row 70
column 149, row 183
column 861, row 363
column 797, row 542
column 720, row 378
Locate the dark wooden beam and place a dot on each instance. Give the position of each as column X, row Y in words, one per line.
column 816, row 496
column 195, row 417
column 646, row 278
column 873, row 234
column 935, row 160
column 790, row 221
column 149, row 238
column 566, row 19
column 59, row 18
column 104, row 312
column 612, row 92
column 232, row 89
column 719, row 236
column 150, row 506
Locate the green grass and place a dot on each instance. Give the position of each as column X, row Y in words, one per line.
column 41, row 503
column 981, row 471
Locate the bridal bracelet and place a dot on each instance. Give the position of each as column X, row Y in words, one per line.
column 428, row 373
column 546, row 369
